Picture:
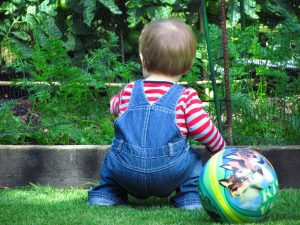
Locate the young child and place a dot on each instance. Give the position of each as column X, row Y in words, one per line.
column 150, row 154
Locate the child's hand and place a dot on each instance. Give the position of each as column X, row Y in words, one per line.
column 210, row 152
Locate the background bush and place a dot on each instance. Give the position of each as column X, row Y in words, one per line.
column 65, row 51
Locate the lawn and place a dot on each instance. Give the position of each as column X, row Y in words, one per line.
column 47, row 205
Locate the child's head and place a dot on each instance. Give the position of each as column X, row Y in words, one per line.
column 167, row 47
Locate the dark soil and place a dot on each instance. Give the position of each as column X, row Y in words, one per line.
column 24, row 110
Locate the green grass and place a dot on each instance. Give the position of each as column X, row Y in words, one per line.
column 47, row 205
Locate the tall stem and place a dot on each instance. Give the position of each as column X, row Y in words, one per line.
column 226, row 72
column 211, row 64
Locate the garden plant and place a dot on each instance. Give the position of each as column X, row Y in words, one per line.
column 62, row 60
column 60, row 57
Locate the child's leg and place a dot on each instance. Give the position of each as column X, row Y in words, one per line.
column 108, row 192
column 187, row 196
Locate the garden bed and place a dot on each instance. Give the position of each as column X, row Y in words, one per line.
column 78, row 165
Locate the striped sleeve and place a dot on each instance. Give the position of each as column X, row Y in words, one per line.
column 199, row 125
column 114, row 104
column 120, row 102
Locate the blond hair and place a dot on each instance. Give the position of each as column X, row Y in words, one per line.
column 168, row 47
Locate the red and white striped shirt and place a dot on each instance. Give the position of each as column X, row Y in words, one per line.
column 191, row 119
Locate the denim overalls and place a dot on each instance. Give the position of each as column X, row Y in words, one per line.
column 149, row 156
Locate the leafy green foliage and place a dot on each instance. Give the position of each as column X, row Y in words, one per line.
column 9, row 120
column 111, row 5
column 72, row 48
column 234, row 11
column 142, row 12
column 28, row 22
column 72, row 102
column 89, row 11
column 267, row 121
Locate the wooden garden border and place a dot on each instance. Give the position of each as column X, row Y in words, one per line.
column 78, row 165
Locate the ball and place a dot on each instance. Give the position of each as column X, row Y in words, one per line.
column 238, row 185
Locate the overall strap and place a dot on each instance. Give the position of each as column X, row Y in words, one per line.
column 171, row 98
column 137, row 96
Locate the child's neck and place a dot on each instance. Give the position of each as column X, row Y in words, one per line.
column 162, row 77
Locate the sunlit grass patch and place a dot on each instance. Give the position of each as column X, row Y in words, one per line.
column 47, row 205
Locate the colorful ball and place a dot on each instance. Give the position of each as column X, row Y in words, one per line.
column 238, row 185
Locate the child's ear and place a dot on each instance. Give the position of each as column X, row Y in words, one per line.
column 142, row 61
column 145, row 72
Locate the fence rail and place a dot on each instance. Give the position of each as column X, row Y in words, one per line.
column 56, row 83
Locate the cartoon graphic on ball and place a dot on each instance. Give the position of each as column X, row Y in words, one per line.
column 238, row 185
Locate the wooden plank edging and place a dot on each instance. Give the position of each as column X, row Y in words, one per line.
column 78, row 165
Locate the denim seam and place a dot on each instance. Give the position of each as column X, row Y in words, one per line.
column 135, row 93
column 145, row 127
column 142, row 92
column 150, row 170
column 162, row 109
column 136, row 108
column 149, row 149
column 180, row 90
column 151, row 157
column 120, row 118
column 176, row 127
column 173, row 104
column 164, row 99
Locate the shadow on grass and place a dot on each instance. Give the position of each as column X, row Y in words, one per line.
column 46, row 205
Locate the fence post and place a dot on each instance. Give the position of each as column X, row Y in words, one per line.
column 211, row 64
